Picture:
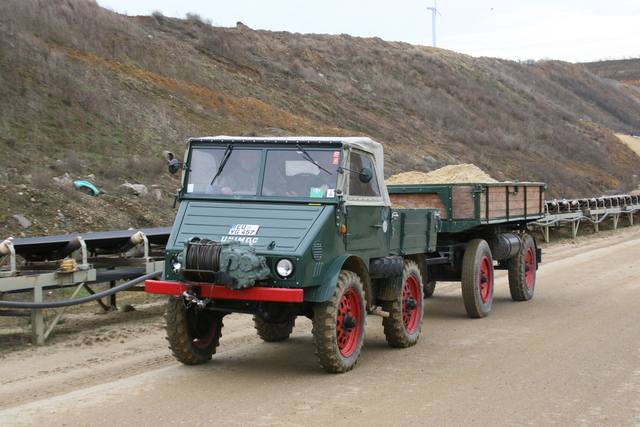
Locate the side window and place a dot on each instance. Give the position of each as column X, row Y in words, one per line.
column 357, row 187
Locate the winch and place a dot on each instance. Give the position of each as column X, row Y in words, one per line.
column 226, row 263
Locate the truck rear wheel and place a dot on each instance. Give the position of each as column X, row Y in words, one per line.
column 338, row 325
column 402, row 327
column 429, row 288
column 274, row 332
column 522, row 271
column 477, row 278
column 193, row 334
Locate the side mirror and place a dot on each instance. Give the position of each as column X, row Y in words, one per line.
column 366, row 175
column 175, row 165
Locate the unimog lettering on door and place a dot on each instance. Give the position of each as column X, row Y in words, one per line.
column 287, row 227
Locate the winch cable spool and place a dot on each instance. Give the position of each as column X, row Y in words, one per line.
column 202, row 259
column 68, row 303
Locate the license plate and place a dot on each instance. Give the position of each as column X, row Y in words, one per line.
column 244, row 230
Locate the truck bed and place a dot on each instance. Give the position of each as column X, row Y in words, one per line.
column 467, row 205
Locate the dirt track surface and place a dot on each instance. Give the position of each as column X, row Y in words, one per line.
column 570, row 356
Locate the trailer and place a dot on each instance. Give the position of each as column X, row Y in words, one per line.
column 285, row 227
column 479, row 224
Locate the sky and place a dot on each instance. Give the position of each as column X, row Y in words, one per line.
column 567, row 30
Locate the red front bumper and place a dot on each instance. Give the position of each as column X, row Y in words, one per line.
column 218, row 291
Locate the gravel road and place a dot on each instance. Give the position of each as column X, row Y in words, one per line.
column 568, row 357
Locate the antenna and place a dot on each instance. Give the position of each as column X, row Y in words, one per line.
column 434, row 10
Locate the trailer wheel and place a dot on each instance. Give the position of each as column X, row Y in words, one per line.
column 338, row 325
column 193, row 334
column 274, row 332
column 522, row 271
column 402, row 327
column 477, row 278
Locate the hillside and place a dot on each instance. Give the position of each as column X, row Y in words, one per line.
column 623, row 70
column 99, row 96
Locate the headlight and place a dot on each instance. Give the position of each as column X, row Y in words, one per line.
column 176, row 265
column 284, row 268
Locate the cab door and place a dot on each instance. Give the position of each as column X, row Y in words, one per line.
column 366, row 217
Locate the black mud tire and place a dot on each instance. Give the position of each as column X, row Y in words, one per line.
column 402, row 327
column 522, row 270
column 477, row 278
column 339, row 324
column 428, row 288
column 428, row 285
column 193, row 334
column 273, row 332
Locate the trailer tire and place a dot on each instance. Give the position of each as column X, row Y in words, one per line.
column 402, row 327
column 522, row 271
column 193, row 334
column 339, row 323
column 477, row 278
column 273, row 332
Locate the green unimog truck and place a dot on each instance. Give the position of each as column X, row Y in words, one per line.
column 305, row 226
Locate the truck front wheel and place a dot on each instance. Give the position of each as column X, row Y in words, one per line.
column 402, row 327
column 274, row 332
column 477, row 278
column 193, row 334
column 522, row 271
column 338, row 325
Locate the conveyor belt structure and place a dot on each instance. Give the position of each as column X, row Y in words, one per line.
column 37, row 264
column 595, row 210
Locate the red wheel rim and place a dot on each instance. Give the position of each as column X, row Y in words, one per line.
column 205, row 339
column 485, row 279
column 411, row 314
column 530, row 269
column 348, row 335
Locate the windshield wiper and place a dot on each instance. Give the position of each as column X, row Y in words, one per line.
column 308, row 158
column 225, row 157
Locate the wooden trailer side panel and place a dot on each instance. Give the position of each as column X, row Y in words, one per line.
column 463, row 204
column 509, row 201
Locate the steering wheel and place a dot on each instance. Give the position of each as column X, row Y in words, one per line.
column 301, row 183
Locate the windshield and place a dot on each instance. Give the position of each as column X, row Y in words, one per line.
column 290, row 173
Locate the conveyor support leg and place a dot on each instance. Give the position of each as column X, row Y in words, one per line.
column 37, row 318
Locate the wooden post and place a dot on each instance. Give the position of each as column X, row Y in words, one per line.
column 37, row 317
